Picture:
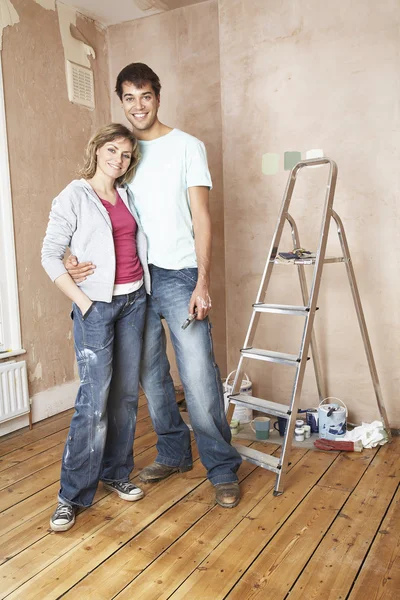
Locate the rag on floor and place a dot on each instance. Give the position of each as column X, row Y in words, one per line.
column 370, row 434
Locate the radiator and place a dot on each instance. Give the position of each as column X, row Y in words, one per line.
column 14, row 396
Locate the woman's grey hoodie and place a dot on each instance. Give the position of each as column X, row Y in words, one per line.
column 78, row 220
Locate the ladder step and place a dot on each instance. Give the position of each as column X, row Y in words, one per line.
column 266, row 406
column 266, row 461
column 269, row 356
column 281, row 309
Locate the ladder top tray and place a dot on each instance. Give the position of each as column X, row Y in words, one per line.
column 309, row 261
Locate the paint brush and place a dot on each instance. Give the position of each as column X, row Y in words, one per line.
column 189, row 320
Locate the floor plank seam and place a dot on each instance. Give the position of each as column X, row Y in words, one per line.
column 36, row 426
column 278, row 450
column 282, row 525
column 66, row 428
column 304, row 499
column 19, row 462
column 53, row 463
column 47, row 532
column 29, row 443
column 136, row 535
column 93, row 533
column 165, row 549
column 78, row 542
column 33, row 473
column 287, row 596
column 334, row 534
column 55, row 481
column 45, row 423
column 372, row 542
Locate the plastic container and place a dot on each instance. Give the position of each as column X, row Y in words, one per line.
column 235, row 426
column 241, row 413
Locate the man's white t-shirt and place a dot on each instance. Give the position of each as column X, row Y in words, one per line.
column 169, row 166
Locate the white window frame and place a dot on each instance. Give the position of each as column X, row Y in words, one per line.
column 10, row 328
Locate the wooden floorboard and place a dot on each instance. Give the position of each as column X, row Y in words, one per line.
column 129, row 563
column 28, row 521
column 380, row 574
column 37, row 433
column 18, row 439
column 216, row 575
column 333, row 535
column 334, row 566
column 277, row 567
column 178, row 562
column 43, row 445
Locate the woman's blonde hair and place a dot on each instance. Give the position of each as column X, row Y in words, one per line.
column 104, row 135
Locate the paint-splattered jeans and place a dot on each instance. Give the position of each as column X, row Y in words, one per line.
column 108, row 343
column 171, row 293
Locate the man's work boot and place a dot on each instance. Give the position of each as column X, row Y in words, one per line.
column 227, row 494
column 156, row 472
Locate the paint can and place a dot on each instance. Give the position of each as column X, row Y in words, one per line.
column 241, row 413
column 332, row 418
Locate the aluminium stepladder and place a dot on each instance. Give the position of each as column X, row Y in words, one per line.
column 279, row 464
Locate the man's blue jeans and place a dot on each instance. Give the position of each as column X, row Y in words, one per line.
column 171, row 293
column 108, row 343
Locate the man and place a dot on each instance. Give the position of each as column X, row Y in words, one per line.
column 171, row 190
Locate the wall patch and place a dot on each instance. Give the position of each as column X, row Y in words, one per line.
column 47, row 4
column 8, row 16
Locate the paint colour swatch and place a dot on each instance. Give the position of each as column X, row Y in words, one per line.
column 291, row 159
column 270, row 163
column 315, row 153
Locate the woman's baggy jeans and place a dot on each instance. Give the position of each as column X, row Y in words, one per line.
column 108, row 344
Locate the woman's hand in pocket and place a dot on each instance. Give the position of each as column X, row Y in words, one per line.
column 85, row 306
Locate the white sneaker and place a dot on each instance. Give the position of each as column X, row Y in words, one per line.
column 63, row 517
column 125, row 490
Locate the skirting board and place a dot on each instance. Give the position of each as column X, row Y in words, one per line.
column 45, row 404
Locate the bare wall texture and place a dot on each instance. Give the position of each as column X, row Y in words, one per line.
column 46, row 135
column 183, row 49
column 295, row 76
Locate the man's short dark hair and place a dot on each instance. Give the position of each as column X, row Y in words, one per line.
column 139, row 74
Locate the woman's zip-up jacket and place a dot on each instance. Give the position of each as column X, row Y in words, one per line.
column 78, row 220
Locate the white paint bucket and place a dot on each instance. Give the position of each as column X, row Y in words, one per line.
column 241, row 413
column 332, row 418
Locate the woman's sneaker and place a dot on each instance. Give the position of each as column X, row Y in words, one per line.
column 63, row 517
column 125, row 490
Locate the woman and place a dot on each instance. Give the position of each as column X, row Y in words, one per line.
column 94, row 216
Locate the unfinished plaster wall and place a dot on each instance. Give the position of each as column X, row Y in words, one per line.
column 182, row 47
column 46, row 135
column 295, row 76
